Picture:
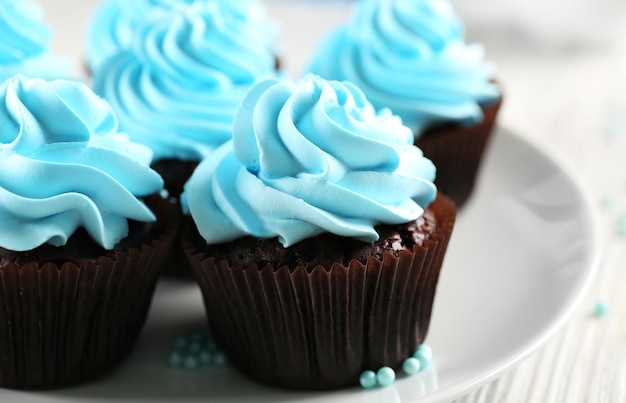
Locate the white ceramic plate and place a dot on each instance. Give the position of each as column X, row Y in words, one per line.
column 522, row 254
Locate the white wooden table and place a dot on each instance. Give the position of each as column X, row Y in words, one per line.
column 563, row 66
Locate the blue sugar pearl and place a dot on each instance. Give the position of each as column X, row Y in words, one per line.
column 368, row 379
column 424, row 354
column 425, row 351
column 601, row 309
column 191, row 363
column 174, row 360
column 411, row 366
column 180, row 342
column 219, row 359
column 195, row 347
column 385, row 376
column 621, row 225
column 205, row 357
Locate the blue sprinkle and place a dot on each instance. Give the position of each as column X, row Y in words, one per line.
column 219, row 359
column 195, row 350
column 191, row 363
column 180, row 342
column 205, row 357
column 368, row 379
column 424, row 354
column 194, row 347
column 385, row 376
column 174, row 360
column 411, row 366
column 622, row 225
column 601, row 309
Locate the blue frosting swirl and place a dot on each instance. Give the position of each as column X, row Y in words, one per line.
column 178, row 89
column 410, row 56
column 24, row 43
column 309, row 157
column 114, row 22
column 64, row 166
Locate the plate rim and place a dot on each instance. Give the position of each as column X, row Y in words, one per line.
column 507, row 361
column 577, row 293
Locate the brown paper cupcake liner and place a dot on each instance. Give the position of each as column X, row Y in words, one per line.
column 66, row 322
column 319, row 329
column 457, row 152
column 175, row 174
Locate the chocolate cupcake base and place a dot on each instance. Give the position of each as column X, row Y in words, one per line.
column 319, row 327
column 66, row 316
column 175, row 174
column 457, row 152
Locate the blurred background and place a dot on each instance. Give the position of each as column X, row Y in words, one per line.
column 556, row 52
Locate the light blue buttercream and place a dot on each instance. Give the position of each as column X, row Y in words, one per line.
column 114, row 22
column 178, row 88
column 410, row 56
column 24, row 40
column 63, row 165
column 309, row 157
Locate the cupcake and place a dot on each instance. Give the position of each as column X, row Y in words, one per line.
column 411, row 56
column 176, row 90
column 177, row 87
column 79, row 251
column 25, row 43
column 113, row 23
column 316, row 236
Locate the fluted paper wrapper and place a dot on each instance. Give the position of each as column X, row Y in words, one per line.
column 320, row 329
column 62, row 324
column 176, row 173
column 457, row 152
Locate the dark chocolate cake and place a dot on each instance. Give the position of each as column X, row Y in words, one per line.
column 457, row 152
column 325, row 249
column 317, row 314
column 69, row 314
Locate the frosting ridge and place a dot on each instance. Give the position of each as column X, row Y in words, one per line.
column 64, row 165
column 178, row 88
column 114, row 22
column 25, row 41
column 410, row 56
column 308, row 157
